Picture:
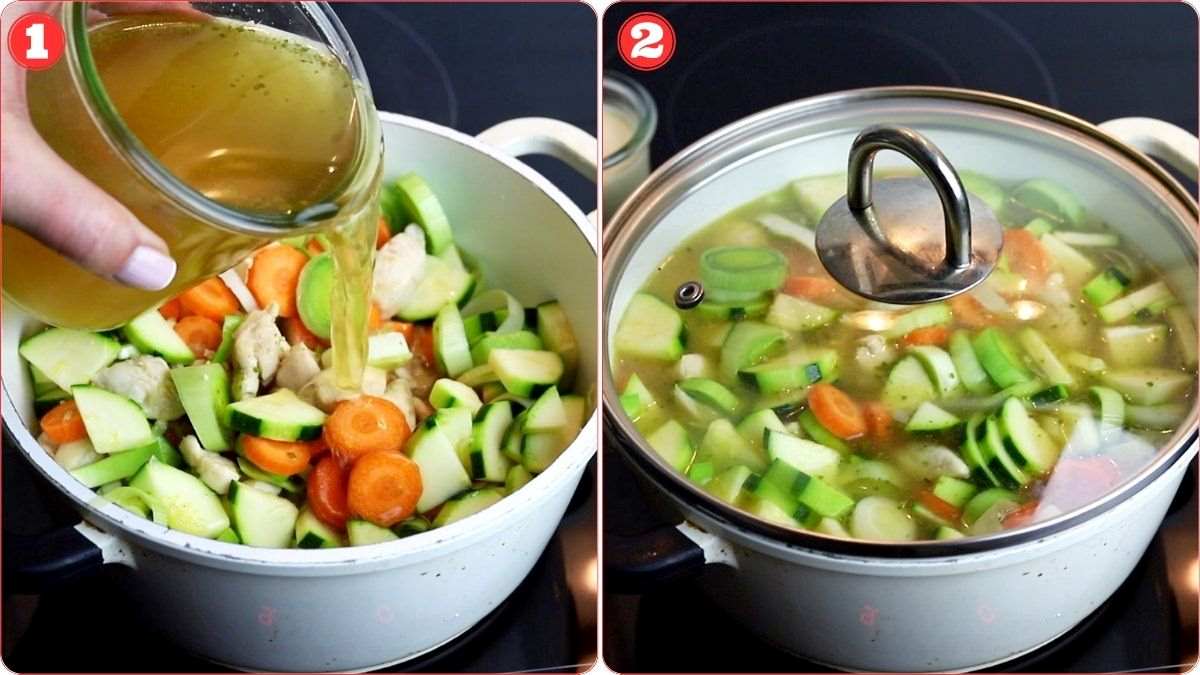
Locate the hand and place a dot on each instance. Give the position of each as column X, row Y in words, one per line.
column 58, row 206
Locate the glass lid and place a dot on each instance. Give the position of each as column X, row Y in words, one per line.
column 748, row 381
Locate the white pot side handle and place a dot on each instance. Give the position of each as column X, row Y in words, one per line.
column 717, row 551
column 544, row 136
column 1162, row 140
column 113, row 551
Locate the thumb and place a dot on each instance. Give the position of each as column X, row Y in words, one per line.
column 58, row 206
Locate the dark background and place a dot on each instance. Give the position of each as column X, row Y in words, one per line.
column 1095, row 61
column 470, row 66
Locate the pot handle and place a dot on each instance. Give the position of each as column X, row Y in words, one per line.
column 1176, row 147
column 41, row 562
column 545, row 136
column 635, row 564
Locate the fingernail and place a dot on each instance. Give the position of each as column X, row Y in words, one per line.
column 147, row 268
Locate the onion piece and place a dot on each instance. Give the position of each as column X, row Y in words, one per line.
column 991, row 300
column 240, row 290
column 493, row 300
column 789, row 229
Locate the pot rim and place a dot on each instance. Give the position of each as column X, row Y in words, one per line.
column 132, row 528
column 621, row 237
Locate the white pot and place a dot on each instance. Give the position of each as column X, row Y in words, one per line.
column 361, row 608
column 922, row 606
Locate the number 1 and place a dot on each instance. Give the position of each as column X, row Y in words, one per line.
column 37, row 42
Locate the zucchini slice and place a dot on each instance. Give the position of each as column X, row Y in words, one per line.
column 280, row 416
column 69, row 357
column 1026, row 439
column 650, row 329
column 114, row 423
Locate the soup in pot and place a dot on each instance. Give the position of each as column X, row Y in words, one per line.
column 784, row 394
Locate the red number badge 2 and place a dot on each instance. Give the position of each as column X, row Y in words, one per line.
column 646, row 41
column 36, row 40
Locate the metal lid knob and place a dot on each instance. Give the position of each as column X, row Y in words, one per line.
column 882, row 241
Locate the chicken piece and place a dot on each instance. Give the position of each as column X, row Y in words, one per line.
column 398, row 392
column 217, row 471
column 298, row 367
column 323, row 392
column 258, row 348
column 399, row 267
column 873, row 352
column 420, row 378
column 76, row 454
column 146, row 380
column 928, row 461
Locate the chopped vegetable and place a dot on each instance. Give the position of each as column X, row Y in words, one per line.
column 211, row 299
column 274, row 276
column 384, row 487
column 365, row 424
column 836, row 411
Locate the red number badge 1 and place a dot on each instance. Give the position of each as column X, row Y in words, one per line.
column 36, row 40
column 646, row 41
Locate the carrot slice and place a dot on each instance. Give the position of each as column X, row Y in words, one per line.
column 384, row 487
column 374, row 318
column 363, row 425
column 1020, row 517
column 327, row 493
column 383, row 232
column 210, row 298
column 408, row 330
column 1026, row 256
column 940, row 507
column 971, row 313
column 421, row 343
column 318, row 447
column 274, row 275
column 297, row 333
column 879, row 421
column 171, row 309
column 929, row 335
column 811, row 287
column 282, row 457
column 63, row 424
column 201, row 334
column 836, row 411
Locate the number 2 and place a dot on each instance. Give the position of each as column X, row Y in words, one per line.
column 649, row 36
column 37, row 42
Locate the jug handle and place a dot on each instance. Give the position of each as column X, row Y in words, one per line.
column 1174, row 146
column 545, row 136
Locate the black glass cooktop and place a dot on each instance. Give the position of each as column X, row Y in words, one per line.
column 1095, row 61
